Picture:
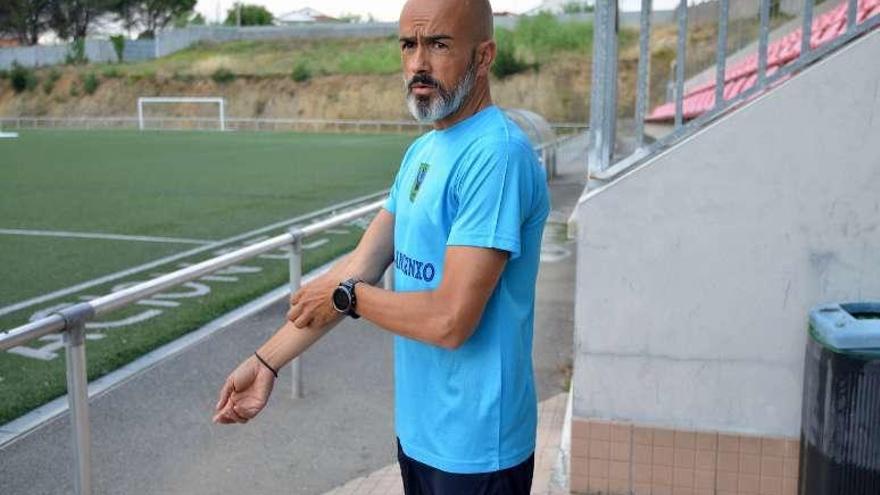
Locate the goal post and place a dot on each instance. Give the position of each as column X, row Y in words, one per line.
column 147, row 100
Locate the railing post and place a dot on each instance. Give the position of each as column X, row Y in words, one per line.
column 295, row 283
column 680, row 60
column 78, row 394
column 603, row 97
column 643, row 71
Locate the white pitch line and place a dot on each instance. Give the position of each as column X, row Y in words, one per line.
column 161, row 261
column 97, row 235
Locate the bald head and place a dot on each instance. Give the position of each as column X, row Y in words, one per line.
column 447, row 50
column 472, row 17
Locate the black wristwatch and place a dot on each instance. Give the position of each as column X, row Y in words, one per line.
column 344, row 299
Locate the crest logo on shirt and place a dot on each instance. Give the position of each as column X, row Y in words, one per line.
column 417, row 184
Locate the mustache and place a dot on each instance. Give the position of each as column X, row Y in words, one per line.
column 423, row 79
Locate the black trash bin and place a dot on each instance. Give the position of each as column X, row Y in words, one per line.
column 840, row 428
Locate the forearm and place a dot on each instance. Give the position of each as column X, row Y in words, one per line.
column 374, row 252
column 290, row 341
column 421, row 316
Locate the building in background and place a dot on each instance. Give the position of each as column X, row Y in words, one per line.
column 305, row 15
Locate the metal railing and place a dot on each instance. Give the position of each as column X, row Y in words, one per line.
column 71, row 321
column 602, row 163
column 239, row 124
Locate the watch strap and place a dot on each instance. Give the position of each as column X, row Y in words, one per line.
column 350, row 285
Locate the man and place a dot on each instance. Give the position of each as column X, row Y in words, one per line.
column 463, row 227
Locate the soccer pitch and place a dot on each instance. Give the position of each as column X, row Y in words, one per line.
column 76, row 206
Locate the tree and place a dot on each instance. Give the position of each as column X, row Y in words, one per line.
column 25, row 19
column 73, row 18
column 151, row 15
column 251, row 15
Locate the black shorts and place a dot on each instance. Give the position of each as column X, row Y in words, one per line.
column 421, row 479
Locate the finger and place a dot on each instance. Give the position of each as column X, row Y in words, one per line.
column 246, row 413
column 295, row 297
column 225, row 391
column 295, row 312
column 303, row 321
column 231, row 416
column 221, row 418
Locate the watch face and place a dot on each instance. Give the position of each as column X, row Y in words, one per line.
column 341, row 300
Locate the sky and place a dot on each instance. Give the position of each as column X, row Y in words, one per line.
column 384, row 10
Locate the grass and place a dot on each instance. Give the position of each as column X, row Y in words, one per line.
column 274, row 58
column 36, row 265
column 184, row 184
column 178, row 184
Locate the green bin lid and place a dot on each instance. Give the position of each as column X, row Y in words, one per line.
column 851, row 328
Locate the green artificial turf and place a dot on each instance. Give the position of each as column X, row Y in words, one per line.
column 206, row 186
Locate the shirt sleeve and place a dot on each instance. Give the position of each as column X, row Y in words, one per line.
column 494, row 196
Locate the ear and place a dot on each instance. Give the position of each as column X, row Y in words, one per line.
column 486, row 52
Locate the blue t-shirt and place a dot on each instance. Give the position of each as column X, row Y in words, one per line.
column 477, row 183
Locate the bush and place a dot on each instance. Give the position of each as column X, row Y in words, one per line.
column 4, row 74
column 543, row 35
column 111, row 73
column 187, row 78
column 251, row 15
column 76, row 54
column 22, row 78
column 118, row 46
column 90, row 83
column 223, row 76
column 576, row 8
column 507, row 63
column 49, row 83
column 301, row 72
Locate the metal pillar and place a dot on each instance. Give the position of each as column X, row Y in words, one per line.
column 295, row 283
column 643, row 71
column 75, row 319
column 603, row 97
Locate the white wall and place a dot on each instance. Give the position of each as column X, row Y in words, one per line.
column 696, row 271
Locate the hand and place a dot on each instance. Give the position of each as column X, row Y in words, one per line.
column 312, row 305
column 245, row 393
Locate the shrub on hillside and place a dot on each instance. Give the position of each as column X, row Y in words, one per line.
column 544, row 34
column 22, row 78
column 186, row 78
column 90, row 83
column 301, row 72
column 507, row 63
column 576, row 8
column 223, row 76
column 111, row 73
column 51, row 79
column 4, row 74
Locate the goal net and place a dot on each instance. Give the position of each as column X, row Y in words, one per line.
column 181, row 112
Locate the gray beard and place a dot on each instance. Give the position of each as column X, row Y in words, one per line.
column 428, row 110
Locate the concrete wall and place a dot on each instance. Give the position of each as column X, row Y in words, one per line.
column 696, row 271
column 95, row 50
column 174, row 40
